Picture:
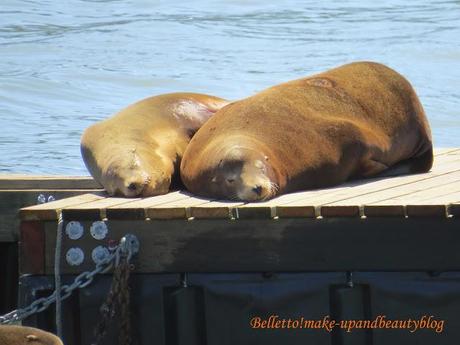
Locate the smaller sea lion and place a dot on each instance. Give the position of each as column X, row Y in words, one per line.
column 21, row 335
column 137, row 151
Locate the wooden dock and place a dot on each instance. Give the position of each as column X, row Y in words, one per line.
column 18, row 190
column 392, row 224
column 434, row 194
column 387, row 246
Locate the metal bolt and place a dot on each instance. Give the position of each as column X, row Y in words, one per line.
column 75, row 256
column 130, row 242
column 99, row 254
column 74, row 230
column 99, row 230
column 41, row 199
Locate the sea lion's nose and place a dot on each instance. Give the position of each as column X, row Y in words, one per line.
column 132, row 186
column 257, row 190
column 135, row 188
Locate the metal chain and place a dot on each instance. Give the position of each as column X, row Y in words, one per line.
column 57, row 274
column 118, row 299
column 81, row 281
column 124, row 301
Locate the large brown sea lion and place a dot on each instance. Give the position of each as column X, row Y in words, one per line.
column 20, row 335
column 353, row 121
column 137, row 151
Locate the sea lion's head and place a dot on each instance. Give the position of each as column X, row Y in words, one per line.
column 244, row 172
column 133, row 174
column 20, row 335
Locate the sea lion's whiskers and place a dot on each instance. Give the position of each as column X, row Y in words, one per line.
column 272, row 189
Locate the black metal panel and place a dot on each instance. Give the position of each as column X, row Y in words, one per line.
column 374, row 244
column 81, row 311
column 414, row 295
column 233, row 301
column 283, row 245
column 217, row 309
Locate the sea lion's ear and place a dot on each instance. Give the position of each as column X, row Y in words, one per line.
column 266, row 158
column 190, row 132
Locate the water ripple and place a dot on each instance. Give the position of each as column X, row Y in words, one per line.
column 67, row 64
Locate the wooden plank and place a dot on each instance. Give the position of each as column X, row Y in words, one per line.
column 136, row 209
column 8, row 181
column 215, row 210
column 179, row 209
column 345, row 191
column 435, row 205
column 12, row 200
column 49, row 210
column 268, row 209
column 451, row 197
column 311, row 200
column 95, row 209
column 10, row 197
column 400, row 192
column 32, row 247
column 431, row 195
column 438, row 151
column 445, row 162
column 384, row 210
column 424, row 203
column 427, row 211
column 296, row 211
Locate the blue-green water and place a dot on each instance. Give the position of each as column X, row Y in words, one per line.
column 66, row 64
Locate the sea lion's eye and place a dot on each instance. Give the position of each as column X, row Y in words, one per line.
column 230, row 180
column 266, row 158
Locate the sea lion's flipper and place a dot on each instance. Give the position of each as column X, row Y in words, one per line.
column 423, row 161
column 418, row 164
column 371, row 167
column 401, row 168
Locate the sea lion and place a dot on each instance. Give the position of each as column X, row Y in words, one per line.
column 354, row 121
column 20, row 335
column 137, row 151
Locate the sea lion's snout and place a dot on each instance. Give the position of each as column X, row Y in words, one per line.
column 257, row 190
column 133, row 187
column 144, row 185
column 246, row 178
column 131, row 178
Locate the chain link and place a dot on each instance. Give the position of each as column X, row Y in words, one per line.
column 81, row 281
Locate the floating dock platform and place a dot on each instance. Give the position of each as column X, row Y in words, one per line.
column 382, row 246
